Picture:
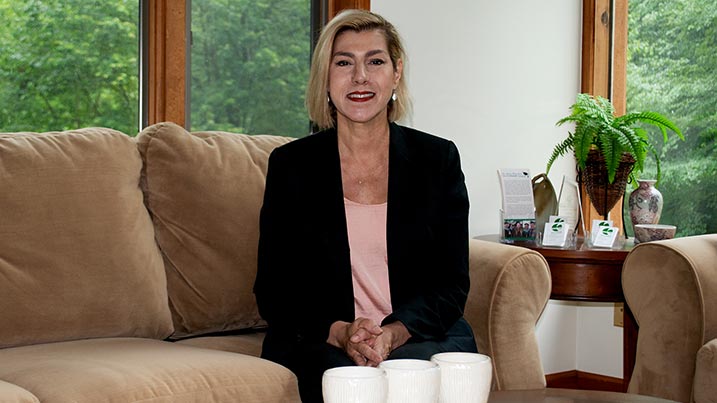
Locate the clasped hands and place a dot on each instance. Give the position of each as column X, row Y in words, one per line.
column 366, row 343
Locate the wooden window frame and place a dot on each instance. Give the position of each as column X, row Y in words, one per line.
column 166, row 61
column 604, row 73
column 166, row 67
column 337, row 5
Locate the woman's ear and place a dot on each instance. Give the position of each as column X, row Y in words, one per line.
column 398, row 72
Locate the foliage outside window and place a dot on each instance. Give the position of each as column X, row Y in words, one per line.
column 249, row 66
column 66, row 64
column 672, row 68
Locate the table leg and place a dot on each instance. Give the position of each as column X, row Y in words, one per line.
column 629, row 347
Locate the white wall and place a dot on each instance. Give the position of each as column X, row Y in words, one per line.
column 495, row 76
column 600, row 346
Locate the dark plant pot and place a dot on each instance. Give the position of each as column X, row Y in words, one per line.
column 604, row 195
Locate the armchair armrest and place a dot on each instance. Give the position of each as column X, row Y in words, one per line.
column 510, row 287
column 671, row 288
column 705, row 385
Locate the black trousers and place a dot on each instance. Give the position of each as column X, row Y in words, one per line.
column 310, row 360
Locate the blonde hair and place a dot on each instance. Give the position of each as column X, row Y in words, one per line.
column 321, row 111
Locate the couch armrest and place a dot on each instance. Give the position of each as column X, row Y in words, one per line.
column 13, row 393
column 510, row 287
column 705, row 385
column 671, row 288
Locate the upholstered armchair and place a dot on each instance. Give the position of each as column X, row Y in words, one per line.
column 671, row 288
column 510, row 287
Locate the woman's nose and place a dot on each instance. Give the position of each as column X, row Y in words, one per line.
column 360, row 74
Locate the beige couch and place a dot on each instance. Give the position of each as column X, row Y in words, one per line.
column 127, row 264
column 671, row 288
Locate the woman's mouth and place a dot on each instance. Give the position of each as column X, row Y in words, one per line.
column 361, row 96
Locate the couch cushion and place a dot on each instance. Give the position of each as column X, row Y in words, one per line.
column 78, row 257
column 204, row 191
column 126, row 370
column 249, row 343
column 15, row 394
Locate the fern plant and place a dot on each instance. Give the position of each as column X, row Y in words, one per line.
column 597, row 127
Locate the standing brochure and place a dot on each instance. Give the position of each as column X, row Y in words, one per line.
column 570, row 206
column 518, row 206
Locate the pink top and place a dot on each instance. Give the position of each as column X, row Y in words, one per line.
column 369, row 259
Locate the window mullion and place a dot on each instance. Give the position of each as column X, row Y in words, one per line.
column 337, row 5
column 619, row 65
column 167, row 61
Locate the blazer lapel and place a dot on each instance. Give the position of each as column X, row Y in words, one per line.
column 333, row 195
column 399, row 188
column 335, row 233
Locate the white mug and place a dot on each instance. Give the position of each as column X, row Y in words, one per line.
column 465, row 377
column 412, row 381
column 354, row 385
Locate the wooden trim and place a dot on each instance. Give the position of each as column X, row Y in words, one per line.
column 167, row 61
column 584, row 381
column 619, row 58
column 588, row 59
column 337, row 5
column 596, row 77
column 596, row 47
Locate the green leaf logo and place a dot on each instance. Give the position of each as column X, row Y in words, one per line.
column 607, row 231
column 557, row 227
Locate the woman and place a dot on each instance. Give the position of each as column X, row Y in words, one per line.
column 363, row 253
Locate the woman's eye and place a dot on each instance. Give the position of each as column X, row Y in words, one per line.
column 342, row 63
column 377, row 62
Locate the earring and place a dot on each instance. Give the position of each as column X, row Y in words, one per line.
column 393, row 96
column 328, row 98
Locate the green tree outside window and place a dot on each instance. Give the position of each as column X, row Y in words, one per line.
column 66, row 64
column 249, row 66
column 672, row 68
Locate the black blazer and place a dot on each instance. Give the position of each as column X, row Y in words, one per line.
column 304, row 282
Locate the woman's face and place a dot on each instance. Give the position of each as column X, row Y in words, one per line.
column 362, row 77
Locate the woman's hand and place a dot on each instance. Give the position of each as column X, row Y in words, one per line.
column 356, row 339
column 366, row 343
column 394, row 336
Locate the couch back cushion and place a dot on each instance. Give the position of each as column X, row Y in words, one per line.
column 77, row 251
column 204, row 191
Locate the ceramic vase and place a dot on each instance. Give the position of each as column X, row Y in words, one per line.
column 645, row 203
column 546, row 203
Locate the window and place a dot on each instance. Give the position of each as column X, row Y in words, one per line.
column 72, row 63
column 69, row 63
column 249, row 66
column 671, row 63
column 167, row 93
column 671, row 69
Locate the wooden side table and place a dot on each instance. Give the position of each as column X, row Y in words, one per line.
column 590, row 275
column 566, row 395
